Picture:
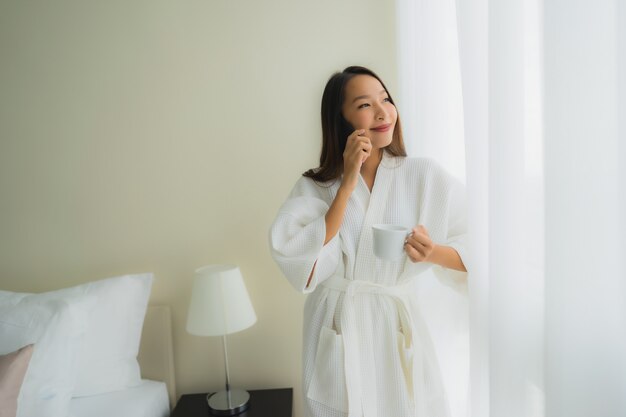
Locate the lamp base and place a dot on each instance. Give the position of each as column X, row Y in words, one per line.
column 219, row 404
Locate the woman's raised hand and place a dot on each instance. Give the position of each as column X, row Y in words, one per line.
column 358, row 149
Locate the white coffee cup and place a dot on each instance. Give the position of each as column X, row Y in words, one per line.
column 389, row 241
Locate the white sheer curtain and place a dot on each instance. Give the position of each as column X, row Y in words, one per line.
column 539, row 88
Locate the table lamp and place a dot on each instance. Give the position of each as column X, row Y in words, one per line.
column 220, row 305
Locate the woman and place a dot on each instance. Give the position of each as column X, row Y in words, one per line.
column 366, row 349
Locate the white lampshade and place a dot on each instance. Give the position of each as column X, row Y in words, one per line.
column 220, row 303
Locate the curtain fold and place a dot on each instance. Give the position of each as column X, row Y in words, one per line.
column 585, row 186
column 430, row 98
column 515, row 189
column 473, row 54
column 431, row 108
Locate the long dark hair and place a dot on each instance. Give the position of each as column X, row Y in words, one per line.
column 336, row 129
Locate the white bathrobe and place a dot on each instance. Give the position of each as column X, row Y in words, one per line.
column 367, row 350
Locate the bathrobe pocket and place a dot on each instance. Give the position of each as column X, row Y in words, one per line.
column 328, row 383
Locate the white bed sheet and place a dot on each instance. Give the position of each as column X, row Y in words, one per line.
column 149, row 399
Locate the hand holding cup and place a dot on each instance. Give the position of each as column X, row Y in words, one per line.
column 419, row 246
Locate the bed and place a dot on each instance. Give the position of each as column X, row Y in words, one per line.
column 146, row 400
column 91, row 350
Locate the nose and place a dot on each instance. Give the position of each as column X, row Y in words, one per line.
column 381, row 114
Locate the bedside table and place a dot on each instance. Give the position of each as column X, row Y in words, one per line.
column 265, row 402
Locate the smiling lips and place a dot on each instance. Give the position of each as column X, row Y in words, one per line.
column 382, row 128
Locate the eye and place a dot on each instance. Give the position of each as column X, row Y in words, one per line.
column 388, row 99
column 361, row 106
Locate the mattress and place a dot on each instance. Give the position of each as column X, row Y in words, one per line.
column 149, row 399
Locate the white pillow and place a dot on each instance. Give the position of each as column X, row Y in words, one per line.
column 56, row 328
column 108, row 361
column 107, row 358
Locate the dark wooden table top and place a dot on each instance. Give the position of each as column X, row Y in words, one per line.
column 265, row 402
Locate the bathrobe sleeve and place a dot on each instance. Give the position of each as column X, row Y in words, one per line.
column 297, row 236
column 455, row 207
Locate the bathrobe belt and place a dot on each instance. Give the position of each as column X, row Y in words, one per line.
column 417, row 339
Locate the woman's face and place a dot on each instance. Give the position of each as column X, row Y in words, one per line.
column 367, row 106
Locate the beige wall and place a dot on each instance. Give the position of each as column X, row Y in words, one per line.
column 162, row 136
